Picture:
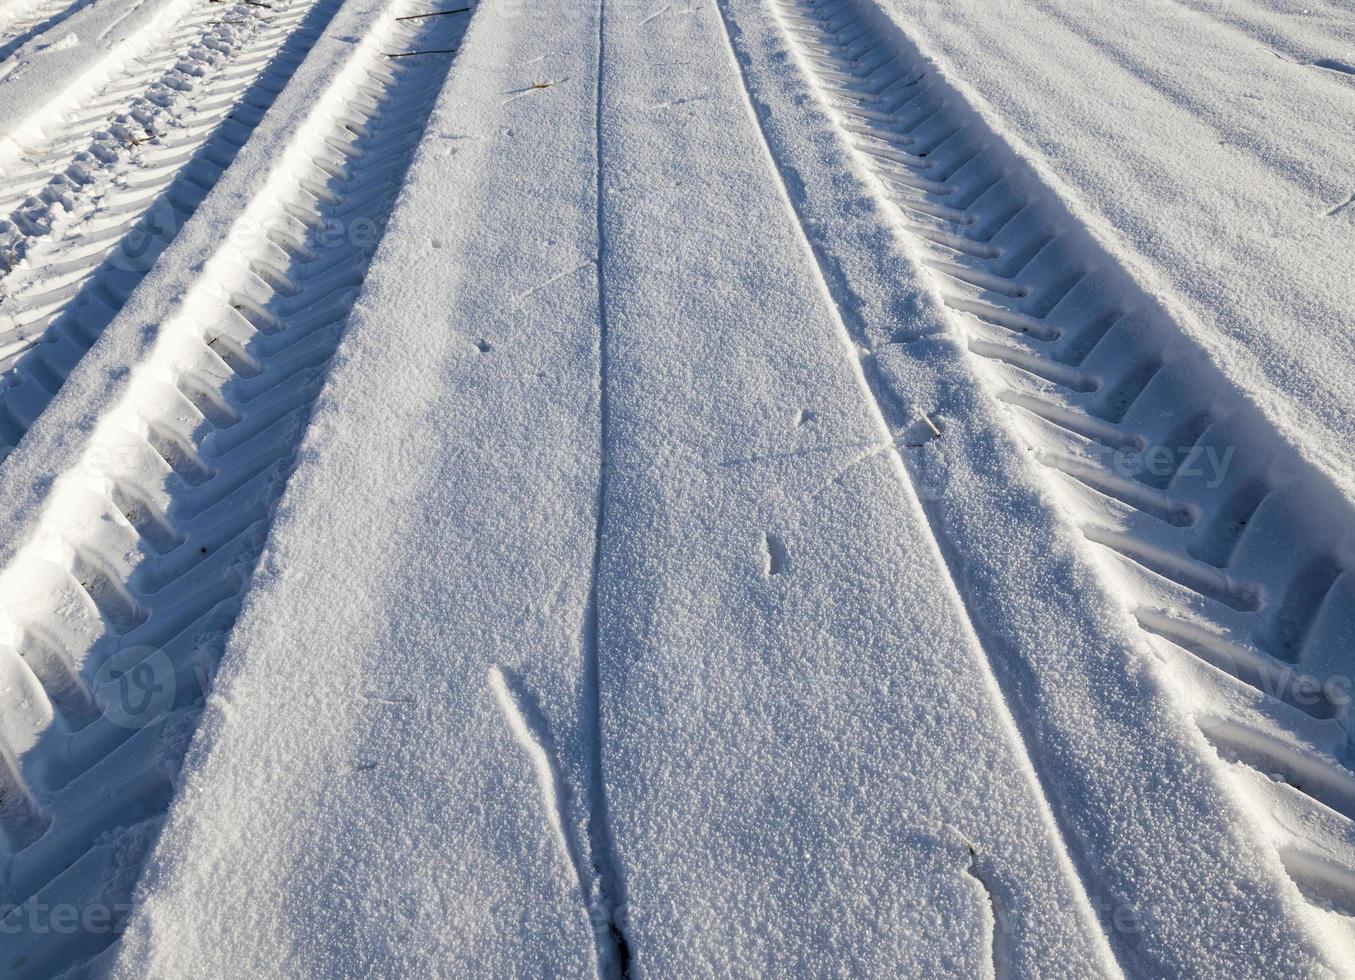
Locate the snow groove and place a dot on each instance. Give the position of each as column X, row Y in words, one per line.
column 608, row 905
column 93, row 204
column 113, row 616
column 1233, row 549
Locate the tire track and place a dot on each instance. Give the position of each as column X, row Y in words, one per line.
column 45, row 142
column 93, row 205
column 1234, row 552
column 894, row 424
column 115, row 613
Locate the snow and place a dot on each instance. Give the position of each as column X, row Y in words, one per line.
column 501, row 461
column 53, row 48
column 400, row 732
column 1207, row 145
column 667, row 583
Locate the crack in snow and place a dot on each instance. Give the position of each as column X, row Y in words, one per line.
column 613, row 949
column 999, row 956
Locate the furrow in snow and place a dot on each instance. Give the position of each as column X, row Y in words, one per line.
column 607, row 911
column 94, row 203
column 1228, row 545
column 116, row 610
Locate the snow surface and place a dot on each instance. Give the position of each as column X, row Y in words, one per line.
column 660, row 591
column 807, row 758
column 47, row 47
column 1208, row 141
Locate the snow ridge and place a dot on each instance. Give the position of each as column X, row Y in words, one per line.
column 531, row 731
column 585, row 849
column 999, row 959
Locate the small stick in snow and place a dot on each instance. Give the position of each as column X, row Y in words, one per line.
column 437, row 13
column 930, row 424
column 410, row 54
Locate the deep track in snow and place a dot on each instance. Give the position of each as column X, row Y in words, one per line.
column 117, row 610
column 93, row 200
column 1237, row 557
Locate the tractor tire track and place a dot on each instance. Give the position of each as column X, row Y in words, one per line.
column 93, row 205
column 1234, row 553
column 50, row 137
column 894, row 424
column 117, row 609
